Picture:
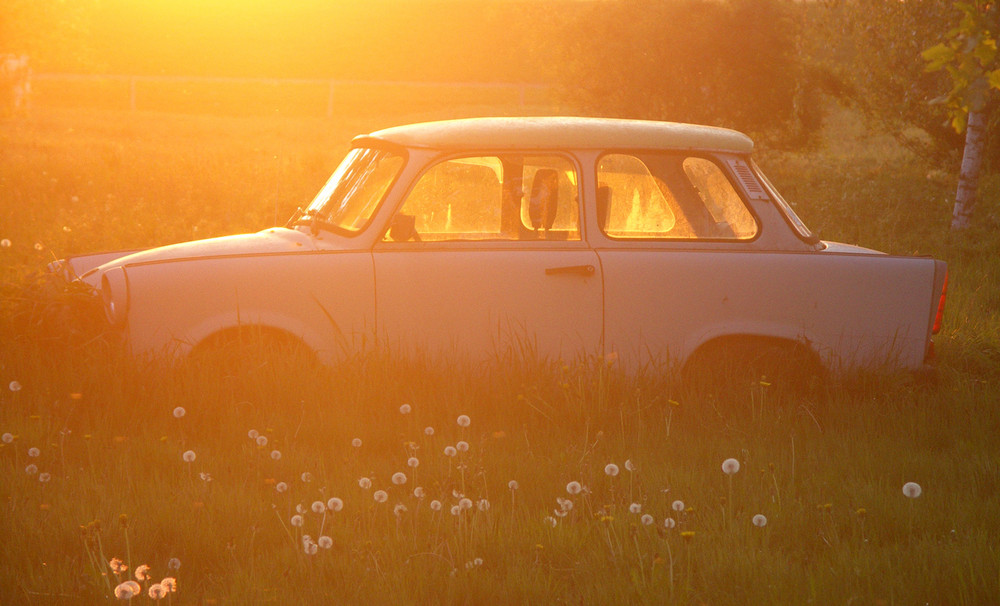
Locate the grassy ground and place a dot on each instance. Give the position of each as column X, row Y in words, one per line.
column 827, row 471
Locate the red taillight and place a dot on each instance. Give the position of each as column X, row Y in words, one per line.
column 940, row 309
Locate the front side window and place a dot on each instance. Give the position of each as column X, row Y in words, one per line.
column 491, row 197
column 349, row 199
column 669, row 197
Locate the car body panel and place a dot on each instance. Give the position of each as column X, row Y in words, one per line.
column 676, row 301
column 478, row 303
column 551, row 291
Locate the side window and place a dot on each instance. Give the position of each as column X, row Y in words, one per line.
column 669, row 196
column 491, row 198
column 719, row 197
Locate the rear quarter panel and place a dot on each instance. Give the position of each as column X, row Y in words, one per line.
column 853, row 310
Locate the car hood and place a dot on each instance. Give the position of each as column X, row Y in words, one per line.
column 276, row 240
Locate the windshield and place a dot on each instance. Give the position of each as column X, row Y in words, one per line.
column 349, row 199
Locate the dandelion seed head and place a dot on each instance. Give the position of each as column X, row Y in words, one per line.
column 296, row 520
column 912, row 490
column 564, row 504
column 730, row 466
column 428, row 431
column 356, row 442
column 170, row 583
column 189, row 456
column 34, row 452
column 477, row 562
column 31, row 469
column 179, row 412
column 611, row 469
column 157, row 591
column 450, row 451
column 281, row 487
column 669, row 523
column 252, row 434
column 462, row 446
column 464, row 420
column 335, row 504
column 483, row 505
column 173, row 564
column 117, row 566
column 318, row 507
column 399, row 509
column 7, row 438
column 465, row 503
column 365, row 483
column 513, row 485
column 325, row 542
column 399, row 478
column 300, row 508
column 404, row 409
column 306, row 476
column 310, row 548
column 142, row 572
column 646, row 519
column 381, row 496
column 412, row 462
column 455, row 510
column 14, row 386
column 629, row 465
column 435, row 505
column 551, row 521
column 5, row 243
column 759, row 520
column 418, row 492
column 573, row 487
column 124, row 591
column 44, row 477
column 677, row 505
column 261, row 441
column 276, row 455
column 635, row 507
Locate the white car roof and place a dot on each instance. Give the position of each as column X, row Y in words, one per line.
column 562, row 133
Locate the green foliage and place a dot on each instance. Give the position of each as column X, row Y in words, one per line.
column 969, row 57
column 735, row 63
column 874, row 47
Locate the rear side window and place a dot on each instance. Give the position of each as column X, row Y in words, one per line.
column 669, row 197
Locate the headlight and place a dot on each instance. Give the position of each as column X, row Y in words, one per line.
column 114, row 291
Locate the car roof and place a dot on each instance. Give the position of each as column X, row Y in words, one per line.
column 561, row 133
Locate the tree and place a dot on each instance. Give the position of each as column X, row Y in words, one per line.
column 969, row 56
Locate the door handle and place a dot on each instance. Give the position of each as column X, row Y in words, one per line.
column 583, row 270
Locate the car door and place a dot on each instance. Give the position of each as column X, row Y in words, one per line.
column 485, row 258
column 664, row 288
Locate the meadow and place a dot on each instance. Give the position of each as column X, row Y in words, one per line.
column 391, row 481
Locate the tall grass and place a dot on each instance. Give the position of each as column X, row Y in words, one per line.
column 826, row 471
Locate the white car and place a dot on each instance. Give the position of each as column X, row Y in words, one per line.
column 468, row 239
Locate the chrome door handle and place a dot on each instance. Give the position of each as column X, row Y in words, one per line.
column 583, row 270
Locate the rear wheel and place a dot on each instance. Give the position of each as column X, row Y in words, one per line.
column 735, row 366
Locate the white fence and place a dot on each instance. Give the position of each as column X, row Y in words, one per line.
column 141, row 91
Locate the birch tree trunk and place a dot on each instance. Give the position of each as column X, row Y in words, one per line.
column 968, row 179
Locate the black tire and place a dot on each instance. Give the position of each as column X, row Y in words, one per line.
column 734, row 366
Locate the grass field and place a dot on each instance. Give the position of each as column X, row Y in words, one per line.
column 95, row 464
